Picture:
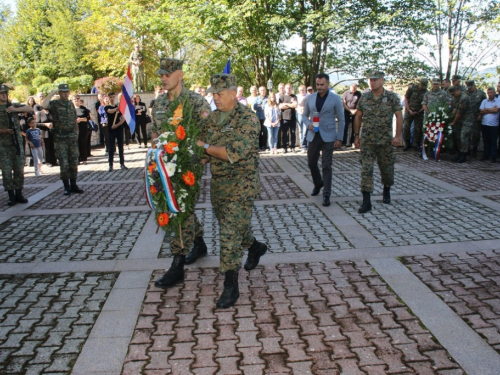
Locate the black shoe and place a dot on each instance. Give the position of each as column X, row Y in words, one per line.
column 463, row 158
column 231, row 293
column 110, row 168
column 199, row 250
column 19, row 196
column 254, row 253
column 286, row 151
column 12, row 198
column 366, row 205
column 484, row 157
column 326, row 201
column 316, row 190
column 67, row 188
column 174, row 274
column 473, row 152
column 123, row 167
column 407, row 145
column 493, row 160
column 386, row 197
column 74, row 186
column 456, row 157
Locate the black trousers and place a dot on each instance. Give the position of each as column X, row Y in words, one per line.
column 83, row 132
column 115, row 134
column 262, row 135
column 490, row 135
column 314, row 148
column 289, row 127
column 140, row 127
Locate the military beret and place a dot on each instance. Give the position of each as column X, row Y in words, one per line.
column 436, row 80
column 168, row 65
column 455, row 77
column 63, row 87
column 376, row 75
column 470, row 82
column 4, row 88
column 424, row 81
column 221, row 82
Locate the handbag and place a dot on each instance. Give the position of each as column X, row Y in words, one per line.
column 148, row 119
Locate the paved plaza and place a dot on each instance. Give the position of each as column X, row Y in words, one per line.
column 409, row 288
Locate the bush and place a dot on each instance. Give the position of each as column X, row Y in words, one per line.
column 47, row 88
column 19, row 94
column 39, row 81
column 108, row 84
column 47, row 71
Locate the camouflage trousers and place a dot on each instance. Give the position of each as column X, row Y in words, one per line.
column 476, row 133
column 384, row 155
column 67, row 153
column 12, row 166
column 190, row 229
column 419, row 122
column 234, row 230
column 462, row 135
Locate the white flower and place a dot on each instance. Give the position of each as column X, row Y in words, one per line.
column 174, row 159
column 176, row 148
column 170, row 168
column 441, row 129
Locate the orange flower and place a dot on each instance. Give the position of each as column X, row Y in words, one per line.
column 163, row 219
column 152, row 167
column 177, row 118
column 188, row 178
column 170, row 147
column 153, row 190
column 180, row 132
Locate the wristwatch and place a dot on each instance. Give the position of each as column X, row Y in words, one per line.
column 205, row 147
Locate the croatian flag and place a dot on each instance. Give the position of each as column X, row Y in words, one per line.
column 126, row 107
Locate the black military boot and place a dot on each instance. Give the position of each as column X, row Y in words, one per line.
column 418, row 147
column 174, row 274
column 199, row 250
column 12, row 198
column 74, row 186
column 231, row 293
column 456, row 157
column 386, row 197
column 407, row 145
column 19, row 196
column 367, row 204
column 473, row 152
column 254, row 253
column 67, row 188
column 463, row 158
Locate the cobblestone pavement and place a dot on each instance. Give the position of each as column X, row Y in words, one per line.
column 329, row 297
column 468, row 283
column 315, row 318
column 46, row 318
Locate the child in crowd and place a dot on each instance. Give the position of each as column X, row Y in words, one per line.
column 35, row 141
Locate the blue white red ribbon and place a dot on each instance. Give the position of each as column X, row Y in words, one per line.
column 147, row 185
column 437, row 145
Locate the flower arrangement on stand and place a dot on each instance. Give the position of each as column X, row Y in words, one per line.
column 437, row 130
column 173, row 169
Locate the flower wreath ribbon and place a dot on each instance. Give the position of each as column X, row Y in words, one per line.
column 167, row 185
column 437, row 146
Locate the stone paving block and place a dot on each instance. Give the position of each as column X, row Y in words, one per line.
column 27, row 193
column 273, row 225
column 470, row 179
column 51, row 340
column 90, row 238
column 472, row 298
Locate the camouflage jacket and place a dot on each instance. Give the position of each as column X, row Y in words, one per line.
column 414, row 96
column 463, row 106
column 161, row 109
column 476, row 98
column 377, row 116
column 237, row 179
column 6, row 139
column 63, row 117
column 436, row 97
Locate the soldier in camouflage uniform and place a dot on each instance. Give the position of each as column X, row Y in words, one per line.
column 456, row 81
column 476, row 97
column 192, row 232
column 414, row 113
column 230, row 139
column 11, row 147
column 376, row 110
column 462, row 123
column 435, row 96
column 65, row 136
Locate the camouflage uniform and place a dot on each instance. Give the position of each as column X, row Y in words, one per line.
column 414, row 96
column 11, row 164
column 476, row 98
column 192, row 227
column 376, row 137
column 463, row 128
column 435, row 97
column 234, row 184
column 65, row 137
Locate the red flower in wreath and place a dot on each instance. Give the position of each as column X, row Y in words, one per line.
column 188, row 178
column 153, row 190
column 163, row 219
column 180, row 132
column 169, row 148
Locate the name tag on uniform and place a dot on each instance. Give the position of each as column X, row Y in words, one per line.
column 227, row 129
column 160, row 111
